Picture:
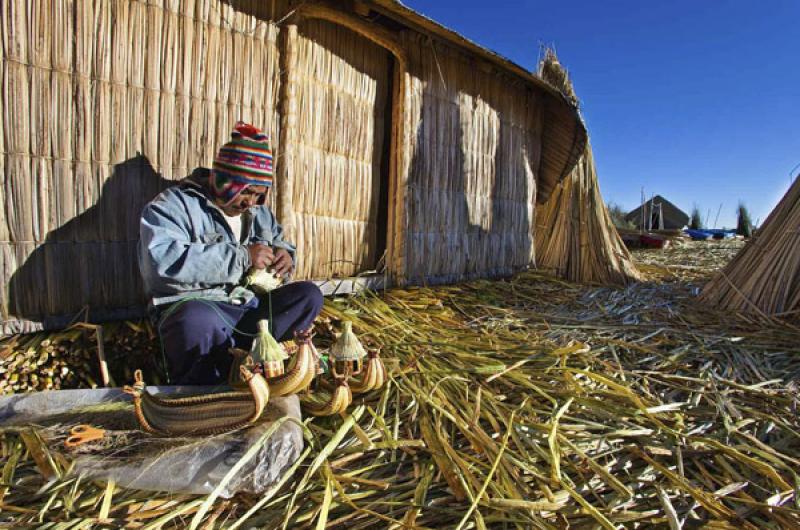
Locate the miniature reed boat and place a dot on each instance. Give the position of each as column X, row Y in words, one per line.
column 373, row 376
column 324, row 403
column 204, row 414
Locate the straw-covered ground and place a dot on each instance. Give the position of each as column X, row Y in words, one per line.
column 528, row 403
column 686, row 260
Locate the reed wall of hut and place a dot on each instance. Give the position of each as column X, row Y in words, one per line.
column 475, row 137
column 396, row 143
column 344, row 83
column 663, row 215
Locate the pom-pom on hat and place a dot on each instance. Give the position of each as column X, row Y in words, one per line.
column 246, row 160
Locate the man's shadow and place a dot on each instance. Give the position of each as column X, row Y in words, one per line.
column 87, row 269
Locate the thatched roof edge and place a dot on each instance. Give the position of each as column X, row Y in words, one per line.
column 558, row 157
column 429, row 25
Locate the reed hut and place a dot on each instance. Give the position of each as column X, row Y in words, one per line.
column 405, row 153
column 763, row 279
column 575, row 237
column 658, row 213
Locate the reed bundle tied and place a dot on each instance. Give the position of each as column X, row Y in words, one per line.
column 46, row 362
column 531, row 403
column 78, row 357
column 575, row 236
column 763, row 280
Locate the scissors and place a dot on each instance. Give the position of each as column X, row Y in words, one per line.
column 81, row 434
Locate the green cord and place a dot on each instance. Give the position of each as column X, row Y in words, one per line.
column 271, row 325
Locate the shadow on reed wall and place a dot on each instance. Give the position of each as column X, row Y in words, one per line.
column 469, row 197
column 87, row 268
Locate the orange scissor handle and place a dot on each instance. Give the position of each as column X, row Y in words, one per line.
column 81, row 434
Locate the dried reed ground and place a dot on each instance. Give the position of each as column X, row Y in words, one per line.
column 530, row 403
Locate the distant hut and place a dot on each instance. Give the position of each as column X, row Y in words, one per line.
column 405, row 153
column 658, row 214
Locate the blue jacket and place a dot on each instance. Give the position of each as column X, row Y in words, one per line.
column 187, row 249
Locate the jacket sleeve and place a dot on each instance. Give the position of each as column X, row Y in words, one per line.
column 171, row 261
column 269, row 232
column 279, row 242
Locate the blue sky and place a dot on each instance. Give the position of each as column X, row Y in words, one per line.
column 696, row 100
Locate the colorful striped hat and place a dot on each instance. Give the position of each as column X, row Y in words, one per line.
column 244, row 161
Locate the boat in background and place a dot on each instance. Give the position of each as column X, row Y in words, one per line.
column 721, row 233
column 699, row 235
column 653, row 241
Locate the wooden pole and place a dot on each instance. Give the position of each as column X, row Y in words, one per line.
column 398, row 178
column 643, row 211
column 288, row 141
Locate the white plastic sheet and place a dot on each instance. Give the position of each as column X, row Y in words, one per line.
column 191, row 465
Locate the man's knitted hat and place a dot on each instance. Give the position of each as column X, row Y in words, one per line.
column 244, row 161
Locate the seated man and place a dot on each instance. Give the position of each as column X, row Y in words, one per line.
column 197, row 240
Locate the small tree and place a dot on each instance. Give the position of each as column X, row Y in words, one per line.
column 744, row 226
column 618, row 216
column 696, row 222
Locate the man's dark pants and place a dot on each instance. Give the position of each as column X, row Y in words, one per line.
column 197, row 334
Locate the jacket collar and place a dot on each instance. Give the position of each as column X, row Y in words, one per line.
column 197, row 184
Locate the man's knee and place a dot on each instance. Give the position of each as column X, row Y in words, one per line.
column 197, row 318
column 311, row 294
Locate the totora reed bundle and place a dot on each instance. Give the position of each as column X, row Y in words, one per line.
column 262, row 280
column 763, row 279
column 575, row 237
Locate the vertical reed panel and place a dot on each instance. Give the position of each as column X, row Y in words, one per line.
column 41, row 169
column 15, row 30
column 152, row 83
column 16, row 100
column 120, row 41
column 19, row 198
column 471, row 179
column 342, row 87
column 170, row 53
column 40, row 57
column 4, row 206
column 64, row 194
column 7, row 268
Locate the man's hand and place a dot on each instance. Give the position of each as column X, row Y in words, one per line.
column 281, row 262
column 261, row 256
